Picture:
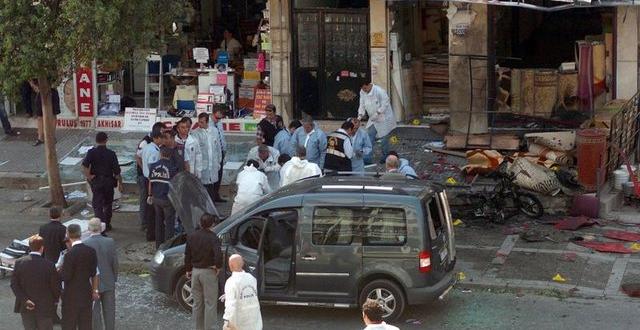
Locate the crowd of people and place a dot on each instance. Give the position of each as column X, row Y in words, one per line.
column 81, row 273
column 68, row 270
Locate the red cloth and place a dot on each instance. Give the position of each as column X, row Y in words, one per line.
column 573, row 223
column 606, row 247
column 623, row 235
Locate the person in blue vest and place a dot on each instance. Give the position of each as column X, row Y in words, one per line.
column 339, row 149
column 362, row 146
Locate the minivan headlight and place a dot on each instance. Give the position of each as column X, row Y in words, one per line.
column 158, row 258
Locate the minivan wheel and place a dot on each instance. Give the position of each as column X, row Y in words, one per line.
column 182, row 293
column 388, row 295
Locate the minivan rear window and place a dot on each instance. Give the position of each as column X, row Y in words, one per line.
column 384, row 226
column 334, row 225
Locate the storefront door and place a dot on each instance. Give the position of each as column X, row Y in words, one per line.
column 331, row 61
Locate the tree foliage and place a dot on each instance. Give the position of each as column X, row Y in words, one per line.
column 47, row 37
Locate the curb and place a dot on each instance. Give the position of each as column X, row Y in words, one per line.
column 542, row 288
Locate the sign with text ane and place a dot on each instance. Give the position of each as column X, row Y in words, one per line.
column 139, row 119
column 84, row 92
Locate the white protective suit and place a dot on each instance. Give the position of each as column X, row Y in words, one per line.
column 252, row 185
column 297, row 169
column 377, row 106
column 270, row 166
column 241, row 305
column 210, row 153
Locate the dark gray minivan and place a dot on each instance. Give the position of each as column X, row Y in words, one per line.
column 334, row 242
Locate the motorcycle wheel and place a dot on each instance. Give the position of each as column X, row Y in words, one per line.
column 530, row 205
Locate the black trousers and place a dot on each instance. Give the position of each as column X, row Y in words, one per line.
column 33, row 321
column 216, row 186
column 76, row 317
column 211, row 191
column 103, row 201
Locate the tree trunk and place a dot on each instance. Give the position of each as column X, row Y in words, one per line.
column 51, row 156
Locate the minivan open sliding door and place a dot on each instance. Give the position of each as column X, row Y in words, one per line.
column 247, row 240
column 329, row 261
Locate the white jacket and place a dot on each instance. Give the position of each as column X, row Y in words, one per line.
column 297, row 169
column 210, row 153
column 193, row 156
column 252, row 185
column 377, row 106
column 241, row 305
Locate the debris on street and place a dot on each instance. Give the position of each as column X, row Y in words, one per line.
column 623, row 235
column 574, row 223
column 606, row 247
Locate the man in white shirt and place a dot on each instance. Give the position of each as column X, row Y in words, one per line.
column 252, row 185
column 372, row 313
column 298, row 168
column 267, row 158
column 231, row 45
column 241, row 305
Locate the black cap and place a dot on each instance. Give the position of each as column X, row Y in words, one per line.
column 101, row 137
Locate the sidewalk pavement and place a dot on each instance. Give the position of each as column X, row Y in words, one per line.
column 497, row 257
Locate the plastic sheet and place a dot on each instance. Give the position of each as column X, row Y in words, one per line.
column 190, row 200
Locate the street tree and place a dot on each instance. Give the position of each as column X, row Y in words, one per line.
column 46, row 40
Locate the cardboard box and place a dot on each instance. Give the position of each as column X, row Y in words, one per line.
column 251, row 75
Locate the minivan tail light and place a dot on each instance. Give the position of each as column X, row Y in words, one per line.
column 424, row 262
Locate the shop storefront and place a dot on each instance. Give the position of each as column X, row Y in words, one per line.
column 218, row 56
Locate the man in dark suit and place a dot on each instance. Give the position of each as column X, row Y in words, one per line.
column 53, row 234
column 108, row 266
column 36, row 285
column 80, row 282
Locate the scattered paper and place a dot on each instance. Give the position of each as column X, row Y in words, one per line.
column 71, row 161
column 76, row 194
column 83, row 150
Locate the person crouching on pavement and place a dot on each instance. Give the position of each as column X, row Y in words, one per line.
column 241, row 305
column 252, row 185
column 203, row 261
column 372, row 313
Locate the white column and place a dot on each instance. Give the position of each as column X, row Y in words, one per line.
column 626, row 52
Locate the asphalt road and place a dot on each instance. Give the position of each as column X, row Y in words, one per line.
column 140, row 307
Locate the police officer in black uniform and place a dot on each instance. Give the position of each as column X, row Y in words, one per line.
column 339, row 149
column 102, row 171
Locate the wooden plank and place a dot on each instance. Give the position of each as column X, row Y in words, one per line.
column 498, row 142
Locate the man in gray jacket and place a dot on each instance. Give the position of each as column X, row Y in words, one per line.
column 108, row 266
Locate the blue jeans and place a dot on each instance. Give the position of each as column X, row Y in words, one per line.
column 368, row 159
column 6, row 125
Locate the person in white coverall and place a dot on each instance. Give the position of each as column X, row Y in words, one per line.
column 241, row 305
column 298, row 168
column 209, row 152
column 375, row 103
column 267, row 158
column 252, row 185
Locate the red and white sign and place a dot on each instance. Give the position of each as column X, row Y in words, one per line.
column 262, row 99
column 74, row 122
column 84, row 92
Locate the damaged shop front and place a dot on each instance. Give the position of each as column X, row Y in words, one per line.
column 550, row 87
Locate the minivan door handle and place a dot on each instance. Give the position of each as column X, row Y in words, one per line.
column 309, row 258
